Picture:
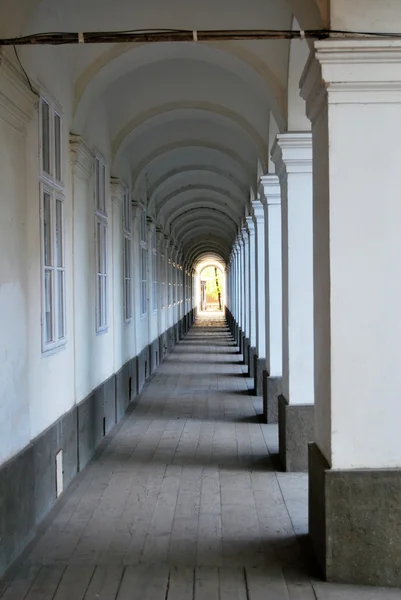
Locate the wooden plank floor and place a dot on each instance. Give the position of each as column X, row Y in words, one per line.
column 184, row 502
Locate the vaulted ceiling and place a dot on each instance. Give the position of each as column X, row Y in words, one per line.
column 188, row 121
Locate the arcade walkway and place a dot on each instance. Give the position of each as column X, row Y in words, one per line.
column 182, row 500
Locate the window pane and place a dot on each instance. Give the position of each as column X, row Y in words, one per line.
column 59, row 234
column 45, row 137
column 102, row 205
column 57, row 147
column 99, row 301
column 61, row 316
column 127, row 220
column 97, row 183
column 48, row 324
column 104, row 249
column 127, row 257
column 104, row 315
column 47, row 231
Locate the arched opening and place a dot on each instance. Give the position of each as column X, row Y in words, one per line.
column 211, row 292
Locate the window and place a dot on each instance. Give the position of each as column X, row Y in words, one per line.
column 127, row 258
column 144, row 258
column 170, row 281
column 163, row 282
column 144, row 267
column 52, row 228
column 101, row 238
column 100, row 186
column 174, row 275
column 154, row 274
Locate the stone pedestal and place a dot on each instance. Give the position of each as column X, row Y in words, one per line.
column 245, row 351
column 296, row 431
column 272, row 389
column 259, row 366
column 251, row 362
column 354, row 523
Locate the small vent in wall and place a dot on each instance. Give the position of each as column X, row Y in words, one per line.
column 130, row 388
column 104, row 426
column 59, row 473
column 157, row 358
column 146, row 369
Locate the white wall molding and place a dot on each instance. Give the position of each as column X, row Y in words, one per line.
column 292, row 153
column 82, row 157
column 270, row 191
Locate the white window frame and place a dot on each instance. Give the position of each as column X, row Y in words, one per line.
column 163, row 281
column 51, row 184
column 100, row 196
column 170, row 283
column 143, row 257
column 127, row 258
column 154, row 274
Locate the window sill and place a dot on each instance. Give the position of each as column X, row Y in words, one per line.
column 54, row 349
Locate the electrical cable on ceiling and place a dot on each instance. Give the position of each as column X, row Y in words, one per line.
column 184, row 35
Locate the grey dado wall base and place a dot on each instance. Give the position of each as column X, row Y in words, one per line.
column 242, row 347
column 355, row 522
column 28, row 480
column 251, row 362
column 259, row 367
column 295, row 432
column 245, row 352
column 272, row 389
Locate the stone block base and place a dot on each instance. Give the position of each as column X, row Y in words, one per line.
column 259, row 366
column 295, row 432
column 272, row 388
column 355, row 522
column 251, row 362
column 241, row 341
column 245, row 351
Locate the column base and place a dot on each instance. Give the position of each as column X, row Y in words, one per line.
column 272, row 388
column 355, row 522
column 245, row 352
column 296, row 423
column 259, row 366
column 251, row 362
column 242, row 346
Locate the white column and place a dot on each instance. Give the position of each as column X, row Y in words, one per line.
column 241, row 294
column 236, row 288
column 292, row 156
column 245, row 237
column 252, row 281
column 353, row 98
column 260, row 291
column 357, row 247
column 271, row 200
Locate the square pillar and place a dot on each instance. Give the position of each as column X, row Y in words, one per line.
column 352, row 90
column 292, row 156
column 250, row 227
column 260, row 288
column 270, row 194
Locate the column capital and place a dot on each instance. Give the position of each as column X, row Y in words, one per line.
column 270, row 191
column 352, row 72
column 258, row 214
column 81, row 156
column 292, row 152
column 250, row 225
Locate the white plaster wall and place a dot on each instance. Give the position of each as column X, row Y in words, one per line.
column 365, row 241
column 366, row 15
column 14, row 397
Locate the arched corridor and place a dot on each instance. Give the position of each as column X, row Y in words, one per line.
column 183, row 499
column 200, row 235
